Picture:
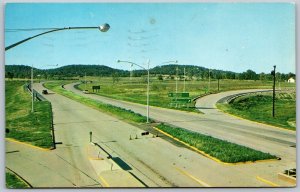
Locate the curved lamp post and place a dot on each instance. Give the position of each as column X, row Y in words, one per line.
column 148, row 85
column 103, row 28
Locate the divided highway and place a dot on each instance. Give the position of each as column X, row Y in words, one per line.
column 218, row 124
column 147, row 161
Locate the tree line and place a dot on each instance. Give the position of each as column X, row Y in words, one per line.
column 188, row 71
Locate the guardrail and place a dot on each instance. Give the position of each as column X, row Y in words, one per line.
column 39, row 97
column 231, row 98
column 36, row 95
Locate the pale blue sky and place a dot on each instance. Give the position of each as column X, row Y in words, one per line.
column 226, row 36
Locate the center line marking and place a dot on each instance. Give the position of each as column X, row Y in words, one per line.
column 193, row 177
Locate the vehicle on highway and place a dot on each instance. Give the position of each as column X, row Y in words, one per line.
column 86, row 91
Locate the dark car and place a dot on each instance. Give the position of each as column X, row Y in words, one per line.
column 45, row 92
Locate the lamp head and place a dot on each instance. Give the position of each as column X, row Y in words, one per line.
column 105, row 27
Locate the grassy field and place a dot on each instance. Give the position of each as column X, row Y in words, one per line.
column 220, row 149
column 123, row 114
column 33, row 128
column 134, row 90
column 13, row 182
column 259, row 108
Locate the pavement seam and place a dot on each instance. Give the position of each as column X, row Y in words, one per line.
column 209, row 156
column 26, row 144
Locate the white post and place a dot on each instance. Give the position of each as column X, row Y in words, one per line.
column 208, row 80
column 176, row 85
column 85, row 80
column 130, row 72
column 32, row 96
column 148, row 87
column 184, row 80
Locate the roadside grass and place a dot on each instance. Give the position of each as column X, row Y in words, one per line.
column 13, row 182
column 134, row 89
column 259, row 108
column 223, row 150
column 25, row 126
column 119, row 112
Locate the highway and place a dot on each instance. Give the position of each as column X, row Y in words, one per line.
column 218, row 124
column 262, row 137
column 147, row 161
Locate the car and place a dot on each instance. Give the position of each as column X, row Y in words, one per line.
column 45, row 92
column 85, row 91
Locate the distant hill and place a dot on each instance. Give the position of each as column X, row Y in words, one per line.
column 191, row 72
column 23, row 71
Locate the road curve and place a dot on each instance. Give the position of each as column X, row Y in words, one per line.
column 217, row 124
column 207, row 104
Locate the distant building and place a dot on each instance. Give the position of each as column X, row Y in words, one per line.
column 291, row 80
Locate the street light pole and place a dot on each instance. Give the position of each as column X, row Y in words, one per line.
column 274, row 76
column 148, row 85
column 208, row 80
column 85, row 81
column 32, row 94
column 103, row 28
column 148, row 89
column 184, row 79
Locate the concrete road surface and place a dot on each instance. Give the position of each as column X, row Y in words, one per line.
column 215, row 123
column 266, row 138
column 147, row 161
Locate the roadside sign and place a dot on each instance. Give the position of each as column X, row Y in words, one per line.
column 182, row 100
column 180, row 94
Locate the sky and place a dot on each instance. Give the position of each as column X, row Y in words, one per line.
column 226, row 36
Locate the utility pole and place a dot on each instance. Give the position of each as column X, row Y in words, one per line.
column 85, row 80
column 208, row 80
column 176, row 85
column 131, row 72
column 274, row 76
column 184, row 79
column 32, row 94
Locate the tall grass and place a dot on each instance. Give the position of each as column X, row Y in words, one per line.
column 223, row 150
column 23, row 125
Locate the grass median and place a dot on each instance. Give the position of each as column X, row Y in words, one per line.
column 13, row 182
column 259, row 108
column 222, row 150
column 121, row 113
column 25, row 126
